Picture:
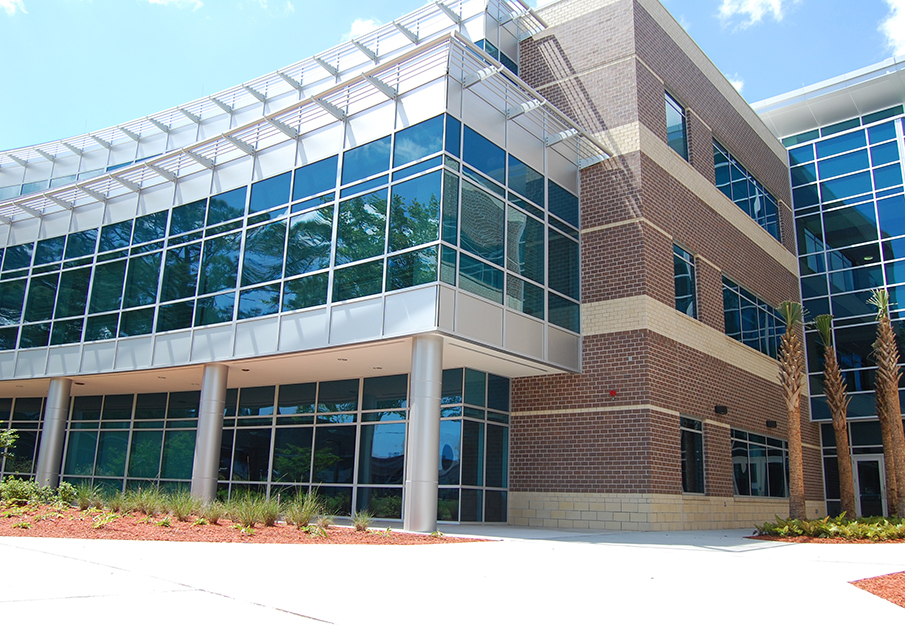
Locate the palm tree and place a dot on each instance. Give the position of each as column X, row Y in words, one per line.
column 886, row 353
column 791, row 378
column 836, row 398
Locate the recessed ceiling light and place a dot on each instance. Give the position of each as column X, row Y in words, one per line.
column 195, row 384
column 378, row 368
column 79, row 383
column 161, row 377
column 246, row 369
column 342, row 359
column 20, row 386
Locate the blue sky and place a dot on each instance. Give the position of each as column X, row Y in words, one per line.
column 72, row 66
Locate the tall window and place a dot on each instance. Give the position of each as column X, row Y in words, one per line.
column 686, row 300
column 760, row 465
column 692, row 432
column 751, row 320
column 676, row 134
column 748, row 193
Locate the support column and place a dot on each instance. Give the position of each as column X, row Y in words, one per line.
column 423, row 449
column 53, row 432
column 210, row 431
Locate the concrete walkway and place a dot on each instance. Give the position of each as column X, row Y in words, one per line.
column 527, row 576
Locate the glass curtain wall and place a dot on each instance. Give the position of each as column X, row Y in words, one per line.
column 26, row 416
column 344, row 438
column 392, row 214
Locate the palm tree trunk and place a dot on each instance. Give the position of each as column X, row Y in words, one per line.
column 834, row 387
column 791, row 377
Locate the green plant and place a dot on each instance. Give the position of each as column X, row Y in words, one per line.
column 22, row 525
column 18, row 492
column 315, row 530
column 269, row 511
column 8, row 438
column 324, row 521
column 437, row 534
column 182, row 504
column 118, row 502
column 101, row 520
column 303, row 508
column 165, row 522
column 200, row 521
column 86, row 495
column 877, row 529
column 148, row 500
column 246, row 509
column 213, row 511
column 361, row 520
column 66, row 493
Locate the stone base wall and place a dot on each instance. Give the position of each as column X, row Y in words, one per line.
column 646, row 512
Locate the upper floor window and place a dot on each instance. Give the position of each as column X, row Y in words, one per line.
column 751, row 320
column 676, row 130
column 686, row 300
column 742, row 188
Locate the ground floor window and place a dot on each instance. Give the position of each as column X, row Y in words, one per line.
column 344, row 438
column 692, row 432
column 760, row 465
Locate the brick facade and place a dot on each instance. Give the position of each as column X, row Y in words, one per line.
column 613, row 430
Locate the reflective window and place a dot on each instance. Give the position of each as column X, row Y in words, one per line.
column 305, row 292
column 418, row 141
column 760, row 465
column 676, row 131
column 175, row 316
column 686, row 292
column 751, row 320
column 366, row 160
column 524, row 297
column 480, row 278
column 107, row 290
column 73, row 293
column 136, row 322
column 263, row 257
column 292, row 454
column 220, row 263
column 382, row 457
column 692, row 434
column 42, row 291
column 453, row 135
column 18, row 256
column 141, row 280
column 358, row 281
column 412, row 268
column 310, row 235
column 415, row 212
column 563, row 264
column 181, row 272
column 115, row 236
column 745, row 191
column 12, row 295
column 187, row 217
column 525, row 247
column 316, row 178
column 334, row 454
column 361, row 230
column 563, row 204
column 526, row 181
column 484, row 155
column 260, row 301
column 483, row 224
column 216, row 309
column 80, row 243
column 270, row 193
column 49, row 251
column 563, row 313
column 149, row 227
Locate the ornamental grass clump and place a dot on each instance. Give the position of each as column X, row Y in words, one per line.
column 182, row 505
column 361, row 520
column 303, row 508
column 212, row 512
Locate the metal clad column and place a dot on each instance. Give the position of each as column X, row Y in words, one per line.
column 210, row 431
column 422, row 453
column 53, row 432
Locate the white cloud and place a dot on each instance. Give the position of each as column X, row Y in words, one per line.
column 290, row 8
column 11, row 6
column 191, row 4
column 736, row 82
column 893, row 27
column 360, row 27
column 751, row 11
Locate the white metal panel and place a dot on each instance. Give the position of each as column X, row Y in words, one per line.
column 478, row 319
column 524, row 335
column 483, row 118
column 63, row 166
column 133, row 353
column 173, row 348
column 446, row 318
column 64, row 360
column 7, row 365
column 410, row 312
column 4, row 234
column 38, row 170
column 194, row 187
column 123, row 153
column 321, row 143
column 454, row 98
column 24, row 230
column 509, row 41
column 247, row 114
column 87, row 217
column 156, row 198
column 276, row 160
column 257, row 337
column 55, row 224
column 303, row 330
column 281, row 101
column 474, row 28
column 212, row 344
column 421, row 104
column 182, row 136
column 212, row 127
column 121, row 208
column 152, row 146
column 563, row 171
column 563, row 348
column 356, row 321
column 98, row 357
column 526, row 147
column 233, row 174
column 31, row 363
column 93, row 159
column 372, row 124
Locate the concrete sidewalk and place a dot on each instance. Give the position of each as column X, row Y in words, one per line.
column 527, row 576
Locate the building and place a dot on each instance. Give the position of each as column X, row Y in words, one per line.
column 482, row 264
column 845, row 142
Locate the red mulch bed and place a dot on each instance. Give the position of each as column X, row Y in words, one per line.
column 51, row 522
column 890, row 587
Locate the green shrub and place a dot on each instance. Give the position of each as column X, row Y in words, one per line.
column 877, row 529
column 18, row 492
column 245, row 509
column 361, row 520
column 182, row 504
column 303, row 508
column 212, row 512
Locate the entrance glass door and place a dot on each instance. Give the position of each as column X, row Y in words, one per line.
column 870, row 485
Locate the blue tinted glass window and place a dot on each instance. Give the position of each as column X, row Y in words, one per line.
column 453, row 135
column 524, row 297
column 141, row 280
column 480, row 278
column 675, row 127
column 115, row 236
column 483, row 224
column 366, row 160
column 107, row 290
column 892, row 216
column 188, row 217
column 849, row 225
column 509, row 63
column 845, row 164
column 149, row 228
column 804, row 174
column 418, row 141
column 805, row 196
column 888, row 176
column 315, row 179
column 484, row 155
column 358, row 281
column 49, row 251
column 847, row 186
column 216, row 309
column 81, row 243
column 564, row 313
column 220, row 264
column 842, row 143
column 18, row 256
column 310, row 235
column 42, row 291
column 412, row 268
column 803, row 154
column 415, row 212
column 563, row 264
column 181, row 272
column 525, row 247
column 305, row 292
column 361, row 230
column 882, row 132
column 73, row 293
column 261, row 301
column 526, row 181
column 882, row 154
column 563, row 204
column 175, row 316
column 12, row 295
column 226, row 206
column 137, row 322
column 269, row 193
column 263, row 257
